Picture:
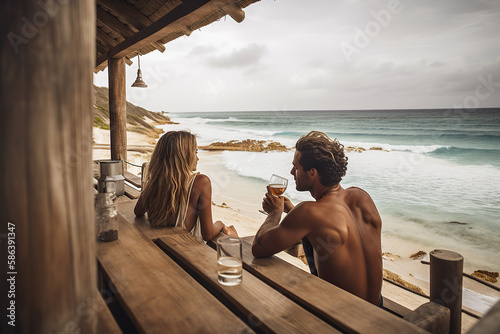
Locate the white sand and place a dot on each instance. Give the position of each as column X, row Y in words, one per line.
column 242, row 198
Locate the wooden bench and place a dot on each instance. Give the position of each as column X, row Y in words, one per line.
column 158, row 295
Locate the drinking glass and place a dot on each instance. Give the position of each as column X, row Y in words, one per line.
column 277, row 185
column 229, row 261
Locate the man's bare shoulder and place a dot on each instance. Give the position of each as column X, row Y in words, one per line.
column 356, row 191
column 359, row 199
column 318, row 212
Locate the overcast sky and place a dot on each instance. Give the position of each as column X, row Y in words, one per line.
column 330, row 55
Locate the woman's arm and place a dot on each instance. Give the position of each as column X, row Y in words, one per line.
column 209, row 230
column 139, row 209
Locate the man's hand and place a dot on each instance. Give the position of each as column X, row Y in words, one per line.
column 271, row 202
column 288, row 205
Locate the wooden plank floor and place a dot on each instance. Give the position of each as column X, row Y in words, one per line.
column 264, row 307
column 158, row 295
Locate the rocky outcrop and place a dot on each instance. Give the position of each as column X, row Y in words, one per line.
column 418, row 255
column 251, row 145
column 489, row 276
column 389, row 275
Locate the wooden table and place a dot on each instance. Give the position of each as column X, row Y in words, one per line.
column 166, row 281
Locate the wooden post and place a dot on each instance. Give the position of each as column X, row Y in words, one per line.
column 446, row 284
column 144, row 172
column 46, row 196
column 117, row 108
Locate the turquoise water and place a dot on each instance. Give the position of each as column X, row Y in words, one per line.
column 435, row 167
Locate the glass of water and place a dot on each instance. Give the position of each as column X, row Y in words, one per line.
column 229, row 261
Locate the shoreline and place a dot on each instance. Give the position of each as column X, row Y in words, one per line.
column 242, row 197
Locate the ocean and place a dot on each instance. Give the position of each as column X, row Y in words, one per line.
column 434, row 174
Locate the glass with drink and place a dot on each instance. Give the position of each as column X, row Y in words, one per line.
column 277, row 185
column 229, row 261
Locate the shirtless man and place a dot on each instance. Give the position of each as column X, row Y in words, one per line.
column 342, row 225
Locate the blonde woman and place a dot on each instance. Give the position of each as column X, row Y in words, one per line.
column 173, row 194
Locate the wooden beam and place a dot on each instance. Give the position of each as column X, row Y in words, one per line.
column 163, row 27
column 235, row 12
column 105, row 39
column 113, row 23
column 46, row 191
column 128, row 12
column 100, row 48
column 117, row 108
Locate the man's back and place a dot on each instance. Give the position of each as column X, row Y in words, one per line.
column 345, row 234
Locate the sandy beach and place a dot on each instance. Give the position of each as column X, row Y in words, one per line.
column 236, row 201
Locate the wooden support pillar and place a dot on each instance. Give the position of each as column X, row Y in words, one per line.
column 446, row 284
column 117, row 108
column 46, row 198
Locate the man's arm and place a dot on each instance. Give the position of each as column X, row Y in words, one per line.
column 273, row 237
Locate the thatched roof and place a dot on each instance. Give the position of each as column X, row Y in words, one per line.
column 125, row 27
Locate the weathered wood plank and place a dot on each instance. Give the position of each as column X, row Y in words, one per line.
column 265, row 308
column 432, row 317
column 158, row 295
column 395, row 308
column 334, row 305
column 46, row 98
column 131, row 192
column 105, row 321
column 126, row 210
column 133, row 179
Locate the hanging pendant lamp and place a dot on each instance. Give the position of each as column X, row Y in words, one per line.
column 138, row 81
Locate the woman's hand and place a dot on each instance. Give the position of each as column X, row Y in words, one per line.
column 230, row 231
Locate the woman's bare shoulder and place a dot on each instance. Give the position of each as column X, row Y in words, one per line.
column 201, row 180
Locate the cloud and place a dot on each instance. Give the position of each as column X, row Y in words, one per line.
column 244, row 57
column 201, row 50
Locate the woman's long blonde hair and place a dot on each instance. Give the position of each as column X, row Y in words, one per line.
column 170, row 170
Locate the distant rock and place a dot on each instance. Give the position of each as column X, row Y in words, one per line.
column 354, row 149
column 389, row 275
column 489, row 276
column 223, row 205
column 458, row 223
column 251, row 145
column 390, row 256
column 418, row 255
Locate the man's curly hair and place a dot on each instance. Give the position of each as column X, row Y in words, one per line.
column 325, row 155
